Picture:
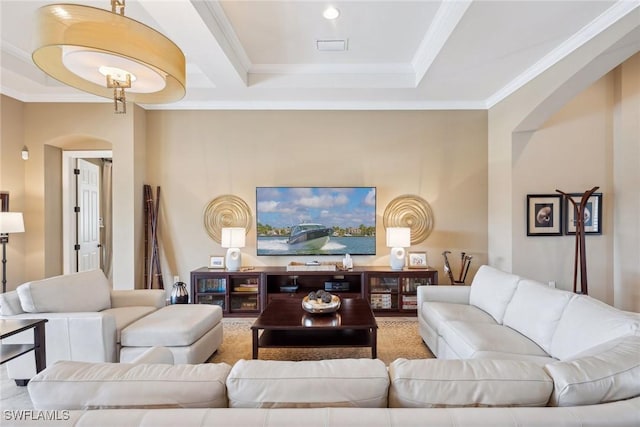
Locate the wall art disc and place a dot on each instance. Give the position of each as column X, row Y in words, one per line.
column 226, row 211
column 413, row 212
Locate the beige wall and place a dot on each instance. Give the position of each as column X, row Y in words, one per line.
column 571, row 152
column 195, row 156
column 12, row 179
column 626, row 185
column 593, row 140
column 46, row 130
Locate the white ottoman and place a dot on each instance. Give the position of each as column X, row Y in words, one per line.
column 193, row 332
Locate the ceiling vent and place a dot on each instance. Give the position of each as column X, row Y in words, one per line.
column 332, row 45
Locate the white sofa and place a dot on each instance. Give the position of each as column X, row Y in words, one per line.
column 589, row 349
column 340, row 393
column 552, row 358
column 85, row 317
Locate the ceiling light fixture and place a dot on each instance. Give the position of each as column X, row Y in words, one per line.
column 104, row 52
column 331, row 13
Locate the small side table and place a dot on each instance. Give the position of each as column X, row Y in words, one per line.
column 9, row 327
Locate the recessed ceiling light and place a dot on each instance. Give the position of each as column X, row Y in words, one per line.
column 331, row 13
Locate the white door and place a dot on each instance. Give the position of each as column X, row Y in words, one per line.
column 88, row 215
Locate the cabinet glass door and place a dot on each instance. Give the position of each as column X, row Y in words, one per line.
column 211, row 290
column 244, row 294
column 383, row 292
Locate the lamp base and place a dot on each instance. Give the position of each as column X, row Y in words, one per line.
column 397, row 258
column 233, row 260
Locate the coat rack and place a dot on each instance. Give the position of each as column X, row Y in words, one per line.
column 580, row 249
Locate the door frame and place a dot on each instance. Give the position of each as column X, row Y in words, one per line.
column 69, row 202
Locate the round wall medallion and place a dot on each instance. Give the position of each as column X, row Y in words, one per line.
column 413, row 212
column 226, row 211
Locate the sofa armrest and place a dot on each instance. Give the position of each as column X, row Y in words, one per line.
column 138, row 297
column 444, row 293
column 89, row 337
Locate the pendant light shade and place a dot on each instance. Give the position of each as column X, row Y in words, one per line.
column 100, row 51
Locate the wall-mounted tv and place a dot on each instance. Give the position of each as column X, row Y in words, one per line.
column 316, row 220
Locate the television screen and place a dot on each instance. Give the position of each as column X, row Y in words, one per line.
column 316, row 220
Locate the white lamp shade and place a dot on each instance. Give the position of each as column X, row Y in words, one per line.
column 232, row 237
column 398, row 237
column 11, row 222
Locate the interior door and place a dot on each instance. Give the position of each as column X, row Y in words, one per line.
column 88, row 215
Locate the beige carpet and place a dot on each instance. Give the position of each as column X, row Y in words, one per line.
column 397, row 337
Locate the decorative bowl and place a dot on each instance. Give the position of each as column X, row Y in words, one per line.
column 316, row 307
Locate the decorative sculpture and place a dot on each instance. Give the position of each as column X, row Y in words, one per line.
column 413, row 212
column 152, row 269
column 580, row 249
column 226, row 211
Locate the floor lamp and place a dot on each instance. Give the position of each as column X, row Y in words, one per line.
column 10, row 222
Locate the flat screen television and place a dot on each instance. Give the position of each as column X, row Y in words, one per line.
column 316, row 220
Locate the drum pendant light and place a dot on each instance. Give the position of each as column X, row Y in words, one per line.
column 105, row 53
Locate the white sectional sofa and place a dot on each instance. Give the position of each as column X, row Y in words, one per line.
column 90, row 322
column 589, row 349
column 340, row 393
column 511, row 352
column 85, row 317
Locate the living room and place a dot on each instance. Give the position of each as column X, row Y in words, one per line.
column 571, row 126
column 453, row 159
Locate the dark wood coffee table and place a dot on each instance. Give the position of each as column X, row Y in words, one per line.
column 9, row 327
column 285, row 324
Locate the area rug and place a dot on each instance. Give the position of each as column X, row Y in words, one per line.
column 397, row 337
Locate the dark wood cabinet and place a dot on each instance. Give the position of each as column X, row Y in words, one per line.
column 297, row 284
column 246, row 293
column 237, row 293
column 394, row 292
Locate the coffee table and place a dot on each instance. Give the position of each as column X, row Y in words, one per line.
column 284, row 323
column 9, row 327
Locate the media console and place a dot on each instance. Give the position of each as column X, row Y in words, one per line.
column 247, row 293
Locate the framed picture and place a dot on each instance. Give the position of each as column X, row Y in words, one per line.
column 418, row 260
column 544, row 215
column 216, row 261
column 592, row 214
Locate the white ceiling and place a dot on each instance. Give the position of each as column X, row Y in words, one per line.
column 401, row 54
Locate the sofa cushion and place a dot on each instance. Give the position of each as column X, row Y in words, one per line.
column 605, row 373
column 10, row 304
column 337, row 382
column 84, row 291
column 587, row 322
column 81, row 385
column 435, row 313
column 127, row 315
column 172, row 326
column 491, row 291
column 430, row 383
column 535, row 311
column 467, row 338
column 538, row 359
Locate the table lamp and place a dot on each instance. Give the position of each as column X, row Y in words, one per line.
column 398, row 238
column 10, row 222
column 233, row 238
